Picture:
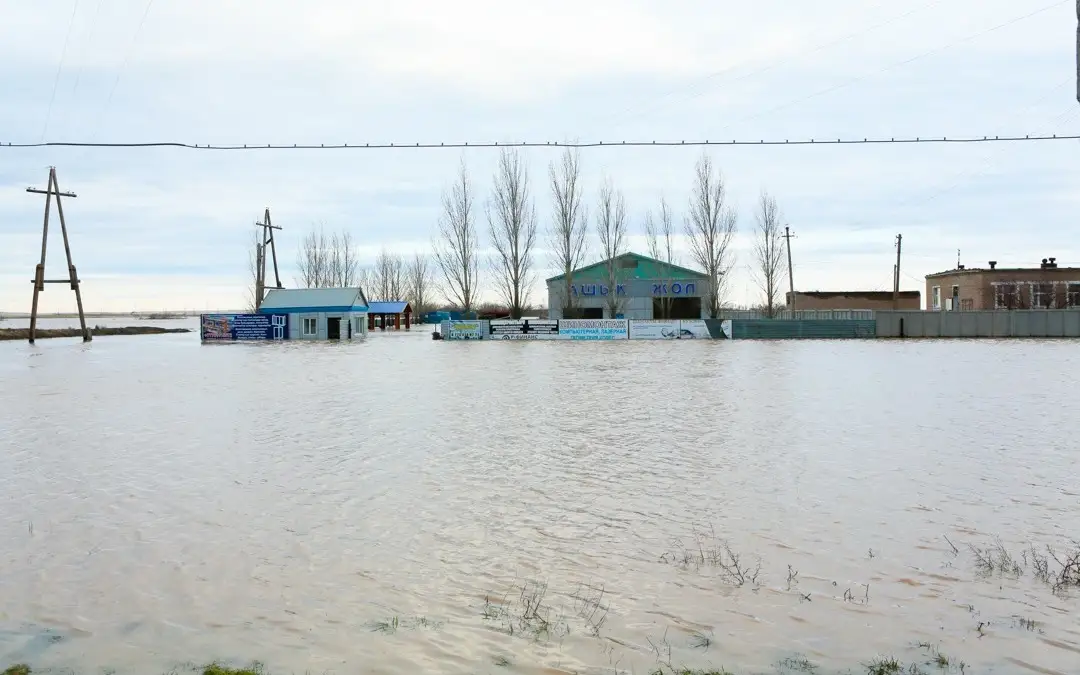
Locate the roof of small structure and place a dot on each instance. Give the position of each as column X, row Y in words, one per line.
column 388, row 307
column 643, row 267
column 867, row 295
column 296, row 300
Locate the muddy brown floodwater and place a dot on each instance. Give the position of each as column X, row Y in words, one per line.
column 404, row 505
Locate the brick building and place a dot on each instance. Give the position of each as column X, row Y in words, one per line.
column 1045, row 287
column 824, row 300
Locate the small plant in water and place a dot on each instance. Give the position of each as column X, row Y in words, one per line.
column 699, row 640
column 889, row 666
column 17, row 669
column 255, row 668
column 796, row 664
column 388, row 626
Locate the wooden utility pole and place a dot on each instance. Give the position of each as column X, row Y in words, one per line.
column 896, row 274
column 791, row 279
column 39, row 280
column 267, row 239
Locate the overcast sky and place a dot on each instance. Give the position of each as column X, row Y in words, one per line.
column 169, row 228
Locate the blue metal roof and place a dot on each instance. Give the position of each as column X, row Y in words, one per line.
column 312, row 299
column 392, row 307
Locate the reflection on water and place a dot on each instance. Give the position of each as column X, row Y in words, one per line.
column 399, row 505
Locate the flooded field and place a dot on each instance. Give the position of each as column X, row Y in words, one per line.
column 410, row 506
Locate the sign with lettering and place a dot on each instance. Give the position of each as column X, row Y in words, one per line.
column 674, row 288
column 593, row 329
column 601, row 290
column 463, row 330
column 685, row 329
column 525, row 329
column 694, row 328
column 654, row 330
column 243, row 327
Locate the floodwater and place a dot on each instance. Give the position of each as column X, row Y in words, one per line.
column 410, row 506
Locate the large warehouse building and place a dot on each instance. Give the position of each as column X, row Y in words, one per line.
column 645, row 288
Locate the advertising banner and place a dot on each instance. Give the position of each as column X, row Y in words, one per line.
column 235, row 327
column 593, row 329
column 464, row 330
column 694, row 328
column 525, row 329
column 654, row 330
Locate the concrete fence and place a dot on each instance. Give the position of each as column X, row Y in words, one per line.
column 979, row 324
column 800, row 315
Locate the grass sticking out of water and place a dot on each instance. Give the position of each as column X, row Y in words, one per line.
column 690, row 671
column 17, row 669
column 255, row 668
column 889, row 666
column 393, row 624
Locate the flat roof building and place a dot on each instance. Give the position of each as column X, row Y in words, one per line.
column 987, row 288
column 645, row 288
column 847, row 300
column 319, row 313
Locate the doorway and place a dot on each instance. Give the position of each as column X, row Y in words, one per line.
column 333, row 328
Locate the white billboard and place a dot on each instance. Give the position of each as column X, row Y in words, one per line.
column 694, row 328
column 593, row 329
column 464, row 330
column 654, row 330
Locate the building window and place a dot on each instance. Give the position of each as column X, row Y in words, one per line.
column 1042, row 296
column 359, row 326
column 311, row 327
column 1006, row 295
column 935, row 294
column 967, row 305
column 1072, row 294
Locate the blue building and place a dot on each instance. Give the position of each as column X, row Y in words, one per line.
column 320, row 313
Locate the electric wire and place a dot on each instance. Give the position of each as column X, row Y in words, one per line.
column 552, row 144
column 59, row 68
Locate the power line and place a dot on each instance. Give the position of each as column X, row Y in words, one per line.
column 59, row 67
column 547, row 144
column 777, row 62
column 123, row 66
column 897, row 64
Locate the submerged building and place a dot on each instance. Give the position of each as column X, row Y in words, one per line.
column 852, row 300
column 644, row 288
column 319, row 313
column 973, row 288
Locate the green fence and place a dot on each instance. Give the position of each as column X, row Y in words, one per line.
column 780, row 329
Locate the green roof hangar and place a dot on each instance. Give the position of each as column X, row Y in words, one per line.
column 644, row 288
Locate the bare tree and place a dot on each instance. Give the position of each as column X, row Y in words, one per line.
column 420, row 283
column 342, row 260
column 327, row 261
column 570, row 225
column 768, row 250
column 611, row 231
column 388, row 277
column 661, row 237
column 312, row 260
column 254, row 251
column 711, row 228
column 455, row 249
column 512, row 223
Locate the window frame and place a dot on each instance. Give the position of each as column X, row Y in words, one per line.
column 935, row 297
column 304, row 326
column 1072, row 294
column 1038, row 293
column 1003, row 290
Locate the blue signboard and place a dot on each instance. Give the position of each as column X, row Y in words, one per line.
column 233, row 327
